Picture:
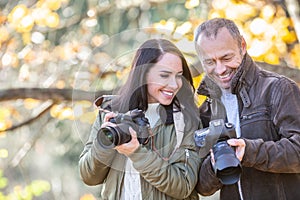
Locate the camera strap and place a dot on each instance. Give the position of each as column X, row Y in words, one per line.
column 179, row 128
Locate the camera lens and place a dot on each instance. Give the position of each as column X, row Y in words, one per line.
column 112, row 136
column 108, row 137
column 227, row 166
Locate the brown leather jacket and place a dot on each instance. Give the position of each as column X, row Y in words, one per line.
column 269, row 107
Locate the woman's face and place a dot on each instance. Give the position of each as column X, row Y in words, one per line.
column 164, row 79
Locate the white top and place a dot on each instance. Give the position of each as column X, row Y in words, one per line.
column 232, row 110
column 132, row 183
column 152, row 114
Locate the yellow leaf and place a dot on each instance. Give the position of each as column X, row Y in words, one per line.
column 52, row 20
column 53, row 4
column 3, row 153
column 272, row 58
column 30, row 103
column 88, row 117
column 87, row 197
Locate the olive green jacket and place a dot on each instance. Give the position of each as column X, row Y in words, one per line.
column 162, row 176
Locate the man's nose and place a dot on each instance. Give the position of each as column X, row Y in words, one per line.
column 220, row 67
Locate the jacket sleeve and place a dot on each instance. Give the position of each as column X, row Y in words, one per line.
column 208, row 182
column 94, row 162
column 282, row 156
column 176, row 177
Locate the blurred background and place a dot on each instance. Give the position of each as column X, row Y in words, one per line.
column 57, row 56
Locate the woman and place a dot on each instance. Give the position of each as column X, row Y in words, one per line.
column 165, row 165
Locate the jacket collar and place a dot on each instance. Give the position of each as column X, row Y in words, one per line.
column 240, row 84
column 244, row 76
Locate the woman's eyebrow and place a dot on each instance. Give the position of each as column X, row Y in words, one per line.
column 169, row 72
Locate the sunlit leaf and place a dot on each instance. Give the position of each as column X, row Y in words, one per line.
column 268, row 12
column 3, row 183
column 26, row 36
column 87, row 197
column 53, row 4
column 88, row 117
column 52, row 20
column 272, row 58
column 220, row 4
column 66, row 113
column 258, row 26
column 183, row 29
column 30, row 103
column 189, row 4
column 26, row 24
column 4, row 34
column 17, row 13
column 3, row 154
column 38, row 187
column 10, row 59
column 60, row 84
column 165, row 27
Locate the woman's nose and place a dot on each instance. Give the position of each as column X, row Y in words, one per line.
column 173, row 83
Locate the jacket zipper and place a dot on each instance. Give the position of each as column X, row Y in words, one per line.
column 187, row 155
column 240, row 190
column 250, row 116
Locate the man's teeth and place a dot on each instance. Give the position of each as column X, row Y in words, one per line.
column 225, row 76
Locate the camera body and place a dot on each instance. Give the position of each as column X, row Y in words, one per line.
column 111, row 136
column 227, row 166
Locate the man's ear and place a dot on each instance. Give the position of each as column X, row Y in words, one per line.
column 243, row 46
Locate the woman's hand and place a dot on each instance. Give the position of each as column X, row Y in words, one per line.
column 131, row 146
column 106, row 119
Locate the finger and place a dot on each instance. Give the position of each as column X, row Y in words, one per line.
column 212, row 157
column 233, row 142
column 133, row 133
column 105, row 124
column 108, row 116
column 236, row 142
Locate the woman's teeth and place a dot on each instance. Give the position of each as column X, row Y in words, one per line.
column 168, row 93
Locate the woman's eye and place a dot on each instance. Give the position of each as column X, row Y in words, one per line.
column 164, row 75
column 179, row 75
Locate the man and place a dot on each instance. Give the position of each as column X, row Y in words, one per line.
column 265, row 108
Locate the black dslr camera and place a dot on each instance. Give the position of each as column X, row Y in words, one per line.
column 112, row 136
column 227, row 166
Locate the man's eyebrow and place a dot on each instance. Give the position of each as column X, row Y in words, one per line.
column 228, row 54
column 224, row 56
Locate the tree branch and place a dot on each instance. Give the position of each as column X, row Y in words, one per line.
column 54, row 94
column 44, row 111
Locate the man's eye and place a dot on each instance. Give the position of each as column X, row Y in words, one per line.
column 227, row 59
column 209, row 63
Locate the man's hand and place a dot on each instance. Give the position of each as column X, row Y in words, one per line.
column 239, row 145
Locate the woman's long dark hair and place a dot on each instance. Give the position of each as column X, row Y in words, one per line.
column 134, row 94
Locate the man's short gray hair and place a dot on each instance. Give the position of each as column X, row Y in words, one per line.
column 210, row 29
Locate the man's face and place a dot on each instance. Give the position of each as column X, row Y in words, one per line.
column 221, row 56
